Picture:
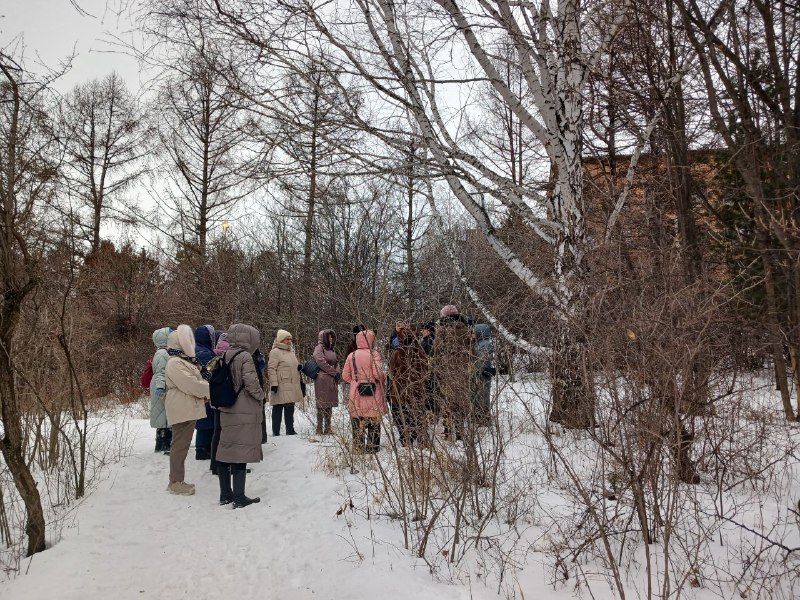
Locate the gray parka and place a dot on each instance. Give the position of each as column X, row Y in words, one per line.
column 240, row 438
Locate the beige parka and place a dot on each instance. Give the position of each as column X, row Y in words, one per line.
column 282, row 372
column 187, row 391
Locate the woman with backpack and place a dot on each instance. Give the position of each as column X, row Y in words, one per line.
column 187, row 393
column 326, row 388
column 284, row 381
column 363, row 370
column 240, row 434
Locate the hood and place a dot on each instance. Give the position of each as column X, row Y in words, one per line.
column 222, row 344
column 205, row 336
column 244, row 336
column 482, row 332
column 322, row 338
column 161, row 337
column 365, row 340
column 182, row 339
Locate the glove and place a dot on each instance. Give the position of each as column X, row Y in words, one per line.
column 303, row 388
column 274, row 389
column 338, row 377
column 160, row 391
column 299, row 367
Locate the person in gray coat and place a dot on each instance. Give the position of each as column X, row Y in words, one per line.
column 240, row 435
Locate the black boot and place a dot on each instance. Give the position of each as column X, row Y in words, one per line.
column 239, row 499
column 225, row 491
column 277, row 415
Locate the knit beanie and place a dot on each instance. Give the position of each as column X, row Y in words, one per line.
column 451, row 310
column 282, row 335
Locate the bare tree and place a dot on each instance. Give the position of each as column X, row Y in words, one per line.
column 27, row 175
column 105, row 134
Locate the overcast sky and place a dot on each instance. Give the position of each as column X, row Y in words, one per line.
column 53, row 29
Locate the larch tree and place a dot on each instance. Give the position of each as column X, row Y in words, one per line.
column 104, row 131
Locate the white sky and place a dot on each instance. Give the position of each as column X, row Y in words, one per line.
column 52, row 29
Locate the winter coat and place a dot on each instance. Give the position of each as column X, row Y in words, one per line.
column 326, row 389
column 158, row 385
column 204, row 342
column 240, row 438
column 282, row 372
column 408, row 371
column 187, row 391
column 452, row 357
column 368, row 369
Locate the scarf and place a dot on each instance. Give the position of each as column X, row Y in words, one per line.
column 182, row 355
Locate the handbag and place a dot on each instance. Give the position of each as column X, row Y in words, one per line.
column 364, row 389
column 310, row 368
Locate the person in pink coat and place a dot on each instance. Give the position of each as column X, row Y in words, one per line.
column 363, row 369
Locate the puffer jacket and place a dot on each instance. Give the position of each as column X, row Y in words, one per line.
column 158, row 385
column 365, row 366
column 326, row 389
column 240, row 438
column 187, row 391
column 282, row 372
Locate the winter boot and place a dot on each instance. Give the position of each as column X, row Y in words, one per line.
column 239, row 499
column 288, row 411
column 225, row 491
column 320, row 413
column 181, row 488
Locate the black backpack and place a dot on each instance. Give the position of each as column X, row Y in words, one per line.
column 220, row 384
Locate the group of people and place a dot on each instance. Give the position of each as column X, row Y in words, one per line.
column 434, row 371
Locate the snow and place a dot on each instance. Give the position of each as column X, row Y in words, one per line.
column 323, row 530
column 131, row 539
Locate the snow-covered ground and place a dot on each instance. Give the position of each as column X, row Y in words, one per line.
column 328, row 525
column 131, row 539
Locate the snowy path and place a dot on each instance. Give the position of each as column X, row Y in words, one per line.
column 131, row 539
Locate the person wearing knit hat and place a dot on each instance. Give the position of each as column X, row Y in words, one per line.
column 283, row 371
column 451, row 310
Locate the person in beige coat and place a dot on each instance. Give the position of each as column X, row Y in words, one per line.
column 187, row 393
column 240, row 435
column 284, row 380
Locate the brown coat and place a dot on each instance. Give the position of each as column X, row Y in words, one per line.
column 240, row 438
column 451, row 358
column 326, row 389
column 408, row 370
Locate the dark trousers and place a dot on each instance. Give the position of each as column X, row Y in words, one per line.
column 264, row 424
column 215, row 441
column 406, row 419
column 366, row 434
column 203, row 439
column 286, row 412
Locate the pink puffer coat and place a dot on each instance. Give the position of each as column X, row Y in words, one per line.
column 368, row 369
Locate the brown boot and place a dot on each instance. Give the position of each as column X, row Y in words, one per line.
column 319, row 421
